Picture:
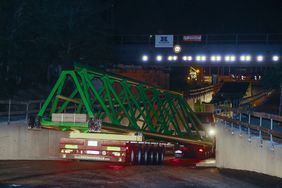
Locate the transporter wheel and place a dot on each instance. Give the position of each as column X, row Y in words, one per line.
column 145, row 156
column 132, row 157
column 139, row 156
column 31, row 122
column 157, row 157
column 161, row 156
column 151, row 156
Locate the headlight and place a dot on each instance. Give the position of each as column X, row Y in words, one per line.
column 211, row 132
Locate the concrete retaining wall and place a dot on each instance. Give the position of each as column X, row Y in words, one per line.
column 237, row 152
column 19, row 143
column 203, row 98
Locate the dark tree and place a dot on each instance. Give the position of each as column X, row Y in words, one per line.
column 39, row 37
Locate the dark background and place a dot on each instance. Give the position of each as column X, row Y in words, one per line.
column 198, row 16
column 39, row 38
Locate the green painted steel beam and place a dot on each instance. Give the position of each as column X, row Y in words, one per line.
column 120, row 102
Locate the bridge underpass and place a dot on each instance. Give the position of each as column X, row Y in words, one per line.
column 211, row 51
column 23, row 140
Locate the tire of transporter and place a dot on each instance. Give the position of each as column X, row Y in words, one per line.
column 151, row 157
column 156, row 156
column 161, row 154
column 132, row 157
column 145, row 156
column 139, row 156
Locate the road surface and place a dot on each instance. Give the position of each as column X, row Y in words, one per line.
column 174, row 173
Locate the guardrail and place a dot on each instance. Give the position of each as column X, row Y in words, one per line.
column 253, row 98
column 204, row 90
column 265, row 126
column 12, row 110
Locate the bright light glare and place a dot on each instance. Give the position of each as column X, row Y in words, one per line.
column 275, row 58
column 145, row 58
column 215, row 58
column 248, row 58
column 245, row 58
column 169, row 58
column 175, row 58
column 260, row 58
column 187, row 58
column 232, row 58
column 211, row 132
column 177, row 48
column 159, row 58
column 201, row 58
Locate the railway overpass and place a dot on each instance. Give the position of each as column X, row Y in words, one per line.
column 217, row 54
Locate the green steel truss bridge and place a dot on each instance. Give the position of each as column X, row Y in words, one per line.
column 119, row 102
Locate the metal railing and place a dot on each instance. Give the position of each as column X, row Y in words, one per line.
column 248, row 100
column 262, row 125
column 12, row 110
column 233, row 38
column 201, row 91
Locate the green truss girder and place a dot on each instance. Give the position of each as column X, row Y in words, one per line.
column 119, row 101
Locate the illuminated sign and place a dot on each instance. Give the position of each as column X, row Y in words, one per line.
column 192, row 38
column 163, row 41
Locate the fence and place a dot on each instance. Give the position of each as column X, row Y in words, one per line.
column 12, row 110
column 262, row 125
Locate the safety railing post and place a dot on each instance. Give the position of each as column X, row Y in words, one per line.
column 232, row 128
column 260, row 125
column 249, row 130
column 9, row 111
column 249, row 122
column 26, row 112
column 240, row 119
column 270, row 132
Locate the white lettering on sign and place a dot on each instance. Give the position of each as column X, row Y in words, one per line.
column 192, row 38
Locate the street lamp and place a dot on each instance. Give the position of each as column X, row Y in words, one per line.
column 177, row 49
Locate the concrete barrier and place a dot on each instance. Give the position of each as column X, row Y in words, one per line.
column 19, row 143
column 235, row 151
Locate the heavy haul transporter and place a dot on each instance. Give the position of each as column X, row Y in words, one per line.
column 111, row 118
column 107, row 144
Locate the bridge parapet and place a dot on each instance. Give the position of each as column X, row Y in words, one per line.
column 202, row 91
column 250, row 141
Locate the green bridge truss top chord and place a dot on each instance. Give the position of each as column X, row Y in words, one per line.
column 118, row 101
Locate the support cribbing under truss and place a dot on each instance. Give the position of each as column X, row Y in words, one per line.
column 118, row 101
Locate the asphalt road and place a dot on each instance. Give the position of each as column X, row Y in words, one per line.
column 99, row 174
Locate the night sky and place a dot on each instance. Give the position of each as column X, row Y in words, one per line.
column 197, row 16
